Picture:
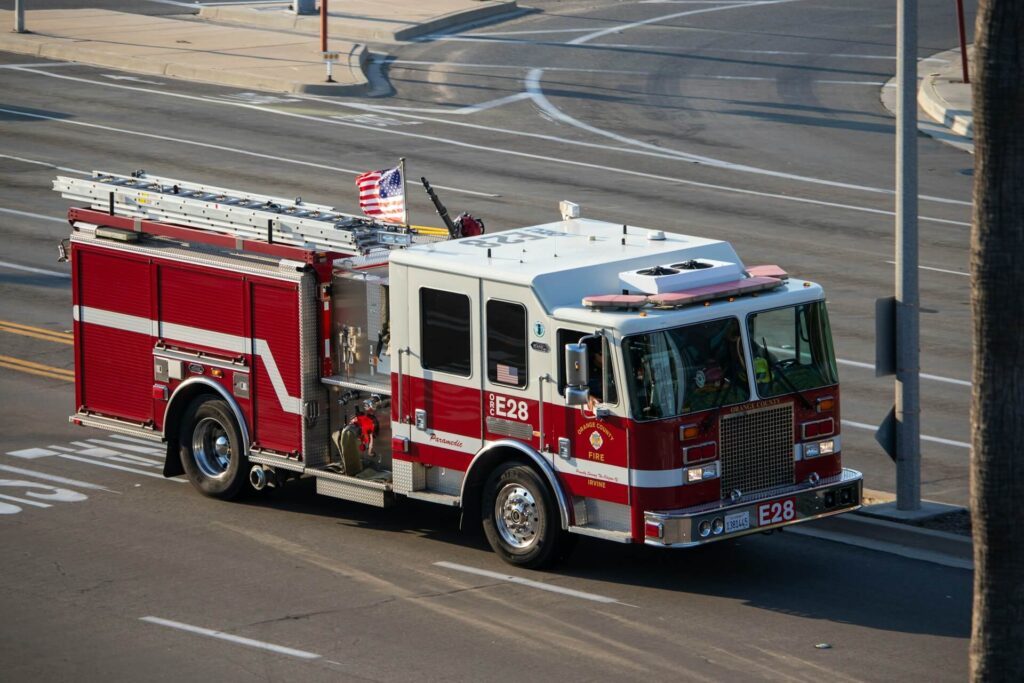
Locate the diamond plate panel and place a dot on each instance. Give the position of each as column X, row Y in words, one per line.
column 408, row 476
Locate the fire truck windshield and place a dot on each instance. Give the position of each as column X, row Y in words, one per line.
column 792, row 349
column 685, row 369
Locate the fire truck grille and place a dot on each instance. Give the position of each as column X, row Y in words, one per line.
column 757, row 449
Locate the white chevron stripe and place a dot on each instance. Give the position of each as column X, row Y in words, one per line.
column 194, row 335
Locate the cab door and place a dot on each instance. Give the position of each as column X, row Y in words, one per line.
column 514, row 361
column 442, row 382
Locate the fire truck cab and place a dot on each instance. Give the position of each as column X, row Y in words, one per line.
column 577, row 377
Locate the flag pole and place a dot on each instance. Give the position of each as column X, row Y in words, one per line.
column 405, row 199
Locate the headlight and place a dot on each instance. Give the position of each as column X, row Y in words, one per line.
column 702, row 473
column 813, row 450
column 704, row 529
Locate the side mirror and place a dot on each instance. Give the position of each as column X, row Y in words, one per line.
column 577, row 392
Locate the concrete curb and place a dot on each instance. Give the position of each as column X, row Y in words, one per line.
column 937, row 547
column 71, row 51
column 930, row 99
column 310, row 25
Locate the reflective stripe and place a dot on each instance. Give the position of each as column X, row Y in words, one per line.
column 194, row 335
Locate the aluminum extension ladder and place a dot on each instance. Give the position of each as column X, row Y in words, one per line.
column 231, row 212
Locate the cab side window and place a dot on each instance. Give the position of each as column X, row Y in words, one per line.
column 506, row 343
column 445, row 332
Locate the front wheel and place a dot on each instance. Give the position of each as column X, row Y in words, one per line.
column 520, row 517
column 211, row 449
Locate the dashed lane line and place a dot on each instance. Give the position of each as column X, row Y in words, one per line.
column 54, row 478
column 231, row 638
column 924, row 437
column 561, row 590
column 32, row 269
column 99, row 463
column 922, row 375
column 433, row 138
column 37, row 216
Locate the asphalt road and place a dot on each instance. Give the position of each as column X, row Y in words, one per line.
column 757, row 123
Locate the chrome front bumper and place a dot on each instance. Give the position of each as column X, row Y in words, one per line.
column 760, row 511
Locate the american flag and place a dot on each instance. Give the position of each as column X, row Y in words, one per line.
column 507, row 374
column 382, row 195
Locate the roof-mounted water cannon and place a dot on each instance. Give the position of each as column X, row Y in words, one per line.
column 464, row 225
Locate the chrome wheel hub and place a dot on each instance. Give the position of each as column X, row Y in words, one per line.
column 516, row 516
column 211, row 447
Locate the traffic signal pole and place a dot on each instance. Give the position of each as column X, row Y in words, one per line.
column 908, row 398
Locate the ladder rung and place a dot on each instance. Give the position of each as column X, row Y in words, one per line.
column 243, row 214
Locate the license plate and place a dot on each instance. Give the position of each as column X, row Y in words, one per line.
column 776, row 512
column 737, row 521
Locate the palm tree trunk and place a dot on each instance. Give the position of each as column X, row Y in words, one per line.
column 997, row 295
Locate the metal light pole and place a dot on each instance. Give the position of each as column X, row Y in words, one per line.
column 908, row 409
column 19, row 16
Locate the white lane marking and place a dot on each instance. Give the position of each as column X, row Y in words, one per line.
column 533, row 86
column 196, row 143
column 29, row 214
column 239, row 640
column 112, row 466
column 22, row 501
column 29, row 268
column 54, row 478
column 146, row 450
column 457, row 143
column 25, row 160
column 938, row 270
column 89, row 448
column 880, row 546
column 593, row 597
column 136, row 79
column 619, row 28
column 32, row 453
column 135, row 439
column 924, row 437
column 516, row 67
column 922, row 375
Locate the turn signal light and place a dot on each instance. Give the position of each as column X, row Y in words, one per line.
column 687, row 432
column 825, row 404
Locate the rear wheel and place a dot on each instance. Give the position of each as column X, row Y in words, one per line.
column 211, row 449
column 520, row 517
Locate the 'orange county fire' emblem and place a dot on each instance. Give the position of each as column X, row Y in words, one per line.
column 595, row 440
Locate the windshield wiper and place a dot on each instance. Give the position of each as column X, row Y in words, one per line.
column 774, row 365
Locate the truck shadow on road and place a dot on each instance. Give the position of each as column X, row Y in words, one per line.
column 782, row 572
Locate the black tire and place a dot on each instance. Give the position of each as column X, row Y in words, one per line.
column 520, row 517
column 210, row 444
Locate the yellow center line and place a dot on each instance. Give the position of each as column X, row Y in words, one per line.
column 36, row 332
column 40, row 373
column 27, row 366
column 35, row 335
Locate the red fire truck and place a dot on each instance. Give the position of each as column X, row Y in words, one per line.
column 577, row 377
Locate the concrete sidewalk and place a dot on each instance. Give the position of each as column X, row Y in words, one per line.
column 279, row 57
column 367, row 20
column 943, row 99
